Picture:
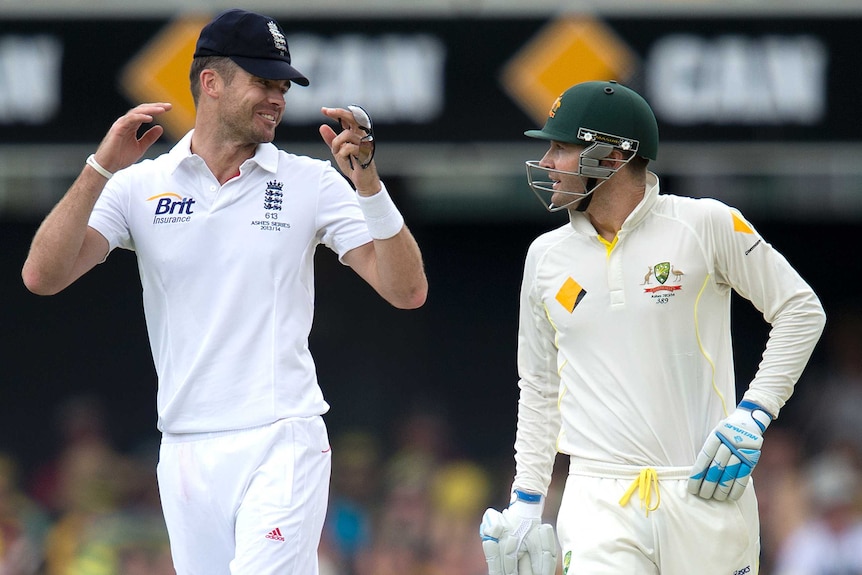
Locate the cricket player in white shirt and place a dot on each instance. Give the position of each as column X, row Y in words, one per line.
column 625, row 360
column 225, row 227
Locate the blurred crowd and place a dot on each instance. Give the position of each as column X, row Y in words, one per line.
column 93, row 510
column 410, row 504
column 809, row 477
column 88, row 509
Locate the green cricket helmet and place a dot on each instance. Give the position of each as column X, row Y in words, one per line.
column 602, row 117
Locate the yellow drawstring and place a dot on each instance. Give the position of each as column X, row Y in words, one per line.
column 646, row 483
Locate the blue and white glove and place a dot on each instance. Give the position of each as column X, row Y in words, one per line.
column 515, row 541
column 730, row 453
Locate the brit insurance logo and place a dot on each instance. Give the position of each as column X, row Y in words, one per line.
column 273, row 199
column 172, row 208
column 662, row 281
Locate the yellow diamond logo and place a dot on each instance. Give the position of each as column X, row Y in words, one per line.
column 567, row 51
column 160, row 73
column 570, row 294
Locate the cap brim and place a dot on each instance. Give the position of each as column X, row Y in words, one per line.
column 537, row 134
column 270, row 69
column 543, row 135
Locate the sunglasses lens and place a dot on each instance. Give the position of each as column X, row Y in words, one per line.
column 366, row 144
column 362, row 118
column 366, row 153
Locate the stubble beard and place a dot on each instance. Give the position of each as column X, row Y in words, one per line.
column 240, row 125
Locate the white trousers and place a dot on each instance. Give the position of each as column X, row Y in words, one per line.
column 660, row 529
column 247, row 502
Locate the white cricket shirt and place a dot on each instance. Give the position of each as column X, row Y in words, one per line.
column 227, row 277
column 625, row 350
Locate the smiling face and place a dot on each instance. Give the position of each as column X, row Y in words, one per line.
column 561, row 164
column 250, row 108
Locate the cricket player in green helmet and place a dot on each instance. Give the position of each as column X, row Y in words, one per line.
column 626, row 366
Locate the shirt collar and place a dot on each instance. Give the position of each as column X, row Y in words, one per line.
column 582, row 224
column 266, row 155
column 646, row 204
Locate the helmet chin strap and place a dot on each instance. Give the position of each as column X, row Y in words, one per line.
column 585, row 203
column 590, row 165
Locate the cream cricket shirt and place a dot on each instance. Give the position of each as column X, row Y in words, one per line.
column 227, row 277
column 625, row 350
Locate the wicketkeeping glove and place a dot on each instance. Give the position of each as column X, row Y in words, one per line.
column 516, row 542
column 730, row 453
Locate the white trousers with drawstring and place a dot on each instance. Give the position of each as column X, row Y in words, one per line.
column 619, row 519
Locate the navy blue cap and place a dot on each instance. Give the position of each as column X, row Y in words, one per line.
column 255, row 42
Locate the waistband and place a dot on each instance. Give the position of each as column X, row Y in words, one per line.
column 204, row 435
column 628, row 472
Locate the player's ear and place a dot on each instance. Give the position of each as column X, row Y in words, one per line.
column 614, row 159
column 211, row 82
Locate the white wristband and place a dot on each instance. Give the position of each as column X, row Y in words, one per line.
column 381, row 215
column 91, row 161
column 524, row 504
